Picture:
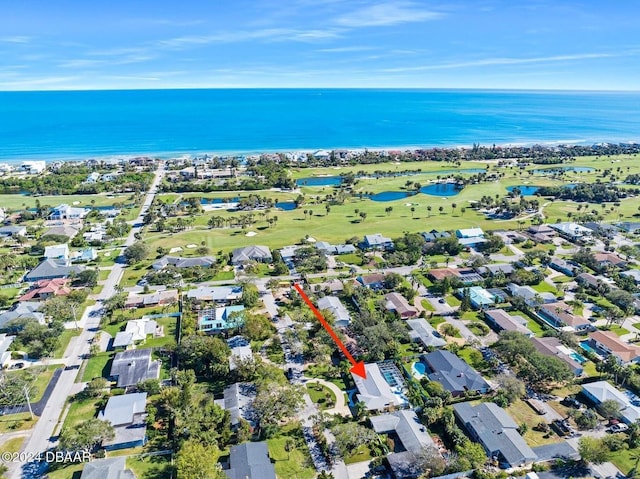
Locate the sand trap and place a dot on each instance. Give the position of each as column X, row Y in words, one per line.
column 177, row 249
column 251, row 233
column 107, row 254
column 311, row 240
column 75, row 203
column 191, row 246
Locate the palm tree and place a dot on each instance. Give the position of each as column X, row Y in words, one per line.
column 453, row 207
column 429, row 211
column 413, row 210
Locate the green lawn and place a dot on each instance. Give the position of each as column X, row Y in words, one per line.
column 98, row 366
column 561, row 279
column 452, row 300
column 296, row 462
column 426, row 304
column 16, row 422
column 544, row 287
column 534, row 327
column 523, row 414
column 150, row 467
column 321, row 395
column 359, row 455
column 19, row 202
column 435, row 320
column 80, row 411
column 65, row 337
column 590, row 369
column 12, row 445
column 619, row 330
column 625, row 459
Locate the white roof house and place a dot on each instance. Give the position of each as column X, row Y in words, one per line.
column 66, row 212
column 572, row 230
column 470, row 233
column 374, row 391
column 601, row 391
column 340, row 313
column 58, row 251
column 422, row 331
column 5, row 354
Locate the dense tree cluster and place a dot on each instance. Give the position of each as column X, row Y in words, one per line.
column 587, row 192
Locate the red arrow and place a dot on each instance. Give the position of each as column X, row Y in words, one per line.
column 357, row 367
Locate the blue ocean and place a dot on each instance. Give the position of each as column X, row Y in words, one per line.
column 89, row 124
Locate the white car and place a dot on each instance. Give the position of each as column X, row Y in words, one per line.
column 620, row 427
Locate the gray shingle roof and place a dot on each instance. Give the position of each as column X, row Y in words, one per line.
column 111, row 468
column 121, row 409
column 51, row 268
column 133, row 366
column 496, row 431
column 453, row 373
column 251, row 253
column 423, row 331
column 178, row 262
column 250, row 461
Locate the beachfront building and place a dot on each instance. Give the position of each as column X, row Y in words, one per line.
column 491, row 426
column 33, row 167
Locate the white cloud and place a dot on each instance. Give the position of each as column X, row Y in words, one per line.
column 385, row 14
column 16, row 39
column 345, row 49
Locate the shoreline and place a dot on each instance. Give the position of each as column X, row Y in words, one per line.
column 166, row 155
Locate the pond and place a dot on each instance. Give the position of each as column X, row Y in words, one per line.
column 441, row 189
column 525, row 190
column 218, row 201
column 320, row 181
column 286, row 205
column 575, row 169
column 391, row 195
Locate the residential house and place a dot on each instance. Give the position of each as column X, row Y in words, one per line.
column 560, row 316
column 12, row 231
column 465, row 275
column 237, row 400
column 605, row 260
column 250, row 460
column 258, row 253
column 531, row 297
column 92, row 178
column 603, row 229
column 479, row 297
column 177, row 262
column 109, row 468
column 434, row 235
column 589, row 280
column 423, row 332
column 373, row 281
column 551, row 346
column 494, row 269
column 337, row 309
column 33, row 167
column 65, row 230
column 215, row 320
column 572, row 231
column 218, row 294
column 491, row 426
column 20, row 312
column 5, row 354
column 58, row 251
column 377, row 242
column 633, row 274
column 542, row 233
column 126, row 413
column 84, row 256
column 46, row 288
column 135, row 331
column 130, row 367
column 66, row 212
column 51, row 269
column 334, row 285
column 335, row 249
column 399, row 304
column 414, row 439
column 601, row 391
column 470, row 237
column 453, row 373
column 609, row 343
column 156, row 298
column 500, row 320
column 564, row 267
column 240, row 350
column 629, row 227
column 375, row 391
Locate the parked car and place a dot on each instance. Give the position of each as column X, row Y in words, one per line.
column 620, row 427
column 16, row 366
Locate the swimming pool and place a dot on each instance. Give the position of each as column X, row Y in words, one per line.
column 578, row 357
column 418, row 370
column 585, row 345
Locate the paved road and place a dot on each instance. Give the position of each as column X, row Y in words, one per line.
column 41, row 438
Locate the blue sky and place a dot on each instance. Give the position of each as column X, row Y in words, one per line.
column 534, row 44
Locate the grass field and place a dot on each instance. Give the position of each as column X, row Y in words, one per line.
column 296, row 461
column 16, row 422
column 342, row 222
column 12, row 445
column 321, row 395
column 65, row 337
column 523, row 414
column 80, row 411
column 20, row 202
column 97, row 366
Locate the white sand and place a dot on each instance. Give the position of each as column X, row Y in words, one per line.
column 177, row 249
column 191, row 246
column 251, row 233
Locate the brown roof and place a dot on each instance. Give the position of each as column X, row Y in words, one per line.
column 400, row 304
column 549, row 347
column 372, row 278
column 562, row 311
column 623, row 350
column 611, row 258
column 47, row 287
column 442, row 273
column 506, row 322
